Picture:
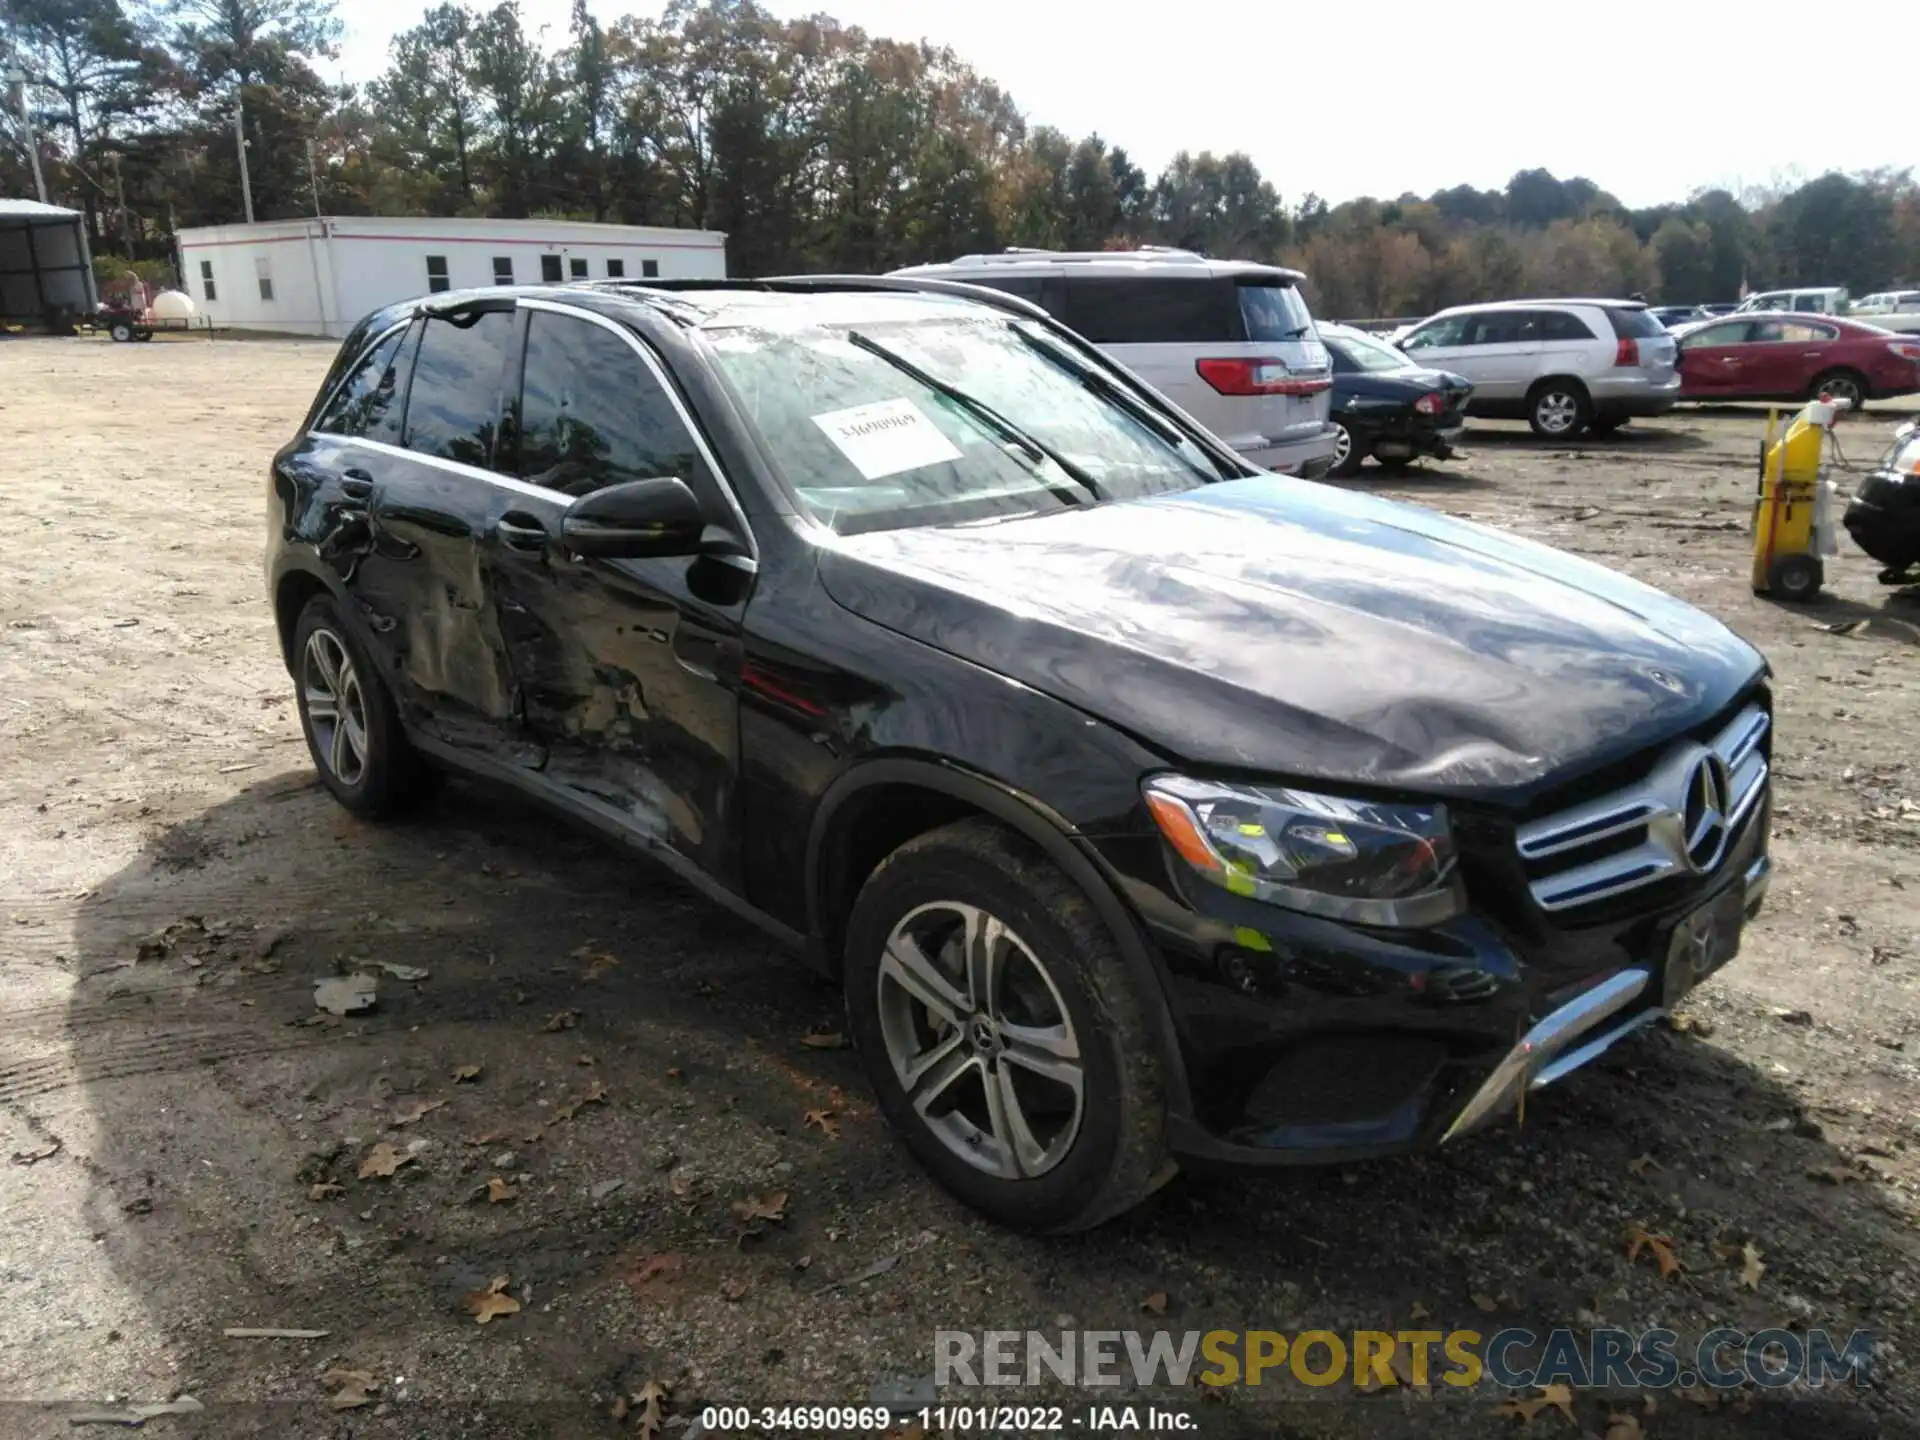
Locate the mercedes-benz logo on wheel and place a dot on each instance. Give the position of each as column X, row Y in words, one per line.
column 1704, row 817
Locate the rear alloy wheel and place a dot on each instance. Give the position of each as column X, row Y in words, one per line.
column 352, row 730
column 1348, row 457
column 1557, row 411
column 1003, row 1035
column 1841, row 385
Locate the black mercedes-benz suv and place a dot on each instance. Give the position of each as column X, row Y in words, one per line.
column 1151, row 808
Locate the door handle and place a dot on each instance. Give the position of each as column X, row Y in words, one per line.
column 520, row 531
column 356, row 484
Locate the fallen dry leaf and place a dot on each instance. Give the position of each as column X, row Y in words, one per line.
column 1623, row 1426
column 1557, row 1397
column 650, row 1397
column 598, row 963
column 823, row 1121
column 1418, row 1311
column 355, row 1388
column 1640, row 1164
column 1658, row 1246
column 382, row 1161
column 345, row 994
column 561, row 1020
column 492, row 1137
column 761, row 1207
column 824, row 1040
column 653, row 1268
column 1484, row 1302
column 416, row 1111
column 596, row 1094
column 493, row 1301
column 1750, row 1267
column 499, row 1191
column 1830, row 1174
column 401, row 972
column 674, row 1072
column 734, row 1288
column 680, row 1183
column 1155, row 1304
column 463, row 1073
column 325, row 1189
column 34, row 1157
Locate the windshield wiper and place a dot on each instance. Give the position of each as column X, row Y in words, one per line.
column 1037, row 450
column 1100, row 385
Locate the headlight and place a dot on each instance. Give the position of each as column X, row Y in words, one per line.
column 1345, row 859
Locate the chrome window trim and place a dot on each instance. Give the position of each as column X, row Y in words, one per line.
column 346, row 374
column 518, row 486
column 672, row 392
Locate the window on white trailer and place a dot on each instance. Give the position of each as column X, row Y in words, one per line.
column 263, row 272
column 550, row 269
column 616, row 269
column 437, row 279
column 503, row 269
column 577, row 267
column 206, row 280
column 650, row 269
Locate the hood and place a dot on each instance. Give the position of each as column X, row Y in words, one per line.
column 1292, row 629
column 1410, row 382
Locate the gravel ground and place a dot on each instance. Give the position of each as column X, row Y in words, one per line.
column 186, row 1141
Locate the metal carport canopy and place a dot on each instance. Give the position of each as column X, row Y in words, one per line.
column 45, row 268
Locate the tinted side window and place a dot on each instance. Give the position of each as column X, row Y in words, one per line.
column 1128, row 311
column 592, row 413
column 1636, row 324
column 1505, row 327
column 1734, row 332
column 1564, row 325
column 453, row 407
column 1447, row 332
column 367, row 402
column 1027, row 287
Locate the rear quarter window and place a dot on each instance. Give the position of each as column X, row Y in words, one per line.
column 1635, row 324
column 367, row 403
column 1129, row 310
column 1564, row 325
column 1274, row 312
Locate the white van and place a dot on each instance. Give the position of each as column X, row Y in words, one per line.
column 1807, row 300
column 1228, row 341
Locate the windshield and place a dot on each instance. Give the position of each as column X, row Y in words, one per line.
column 1274, row 312
column 1364, row 354
column 1003, row 430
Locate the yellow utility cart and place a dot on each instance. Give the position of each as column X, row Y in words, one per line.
column 1792, row 515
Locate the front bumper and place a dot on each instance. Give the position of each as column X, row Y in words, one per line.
column 1308, row 1041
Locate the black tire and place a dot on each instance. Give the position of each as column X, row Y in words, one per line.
column 391, row 777
column 1605, row 424
column 120, row 331
column 1393, row 462
column 144, row 335
column 1842, row 384
column 1549, row 400
column 1356, row 456
column 1795, row 578
column 1115, row 1155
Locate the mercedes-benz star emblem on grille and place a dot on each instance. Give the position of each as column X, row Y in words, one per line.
column 1704, row 818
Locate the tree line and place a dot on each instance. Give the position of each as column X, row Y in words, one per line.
column 815, row 146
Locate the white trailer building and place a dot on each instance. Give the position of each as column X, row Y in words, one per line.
column 320, row 276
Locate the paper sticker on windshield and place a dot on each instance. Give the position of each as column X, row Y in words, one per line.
column 886, row 437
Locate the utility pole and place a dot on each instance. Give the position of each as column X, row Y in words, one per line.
column 313, row 177
column 240, row 139
column 17, row 86
column 120, row 199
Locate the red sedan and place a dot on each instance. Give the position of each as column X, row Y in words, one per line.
column 1795, row 357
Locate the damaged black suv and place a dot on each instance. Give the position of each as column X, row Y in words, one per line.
column 1151, row 808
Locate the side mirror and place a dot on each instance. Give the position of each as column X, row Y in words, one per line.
column 635, row 520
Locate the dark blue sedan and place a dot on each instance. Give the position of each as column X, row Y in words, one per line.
column 1388, row 407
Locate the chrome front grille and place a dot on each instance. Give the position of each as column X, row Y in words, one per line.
column 1679, row 820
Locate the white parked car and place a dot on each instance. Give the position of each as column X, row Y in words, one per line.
column 1805, row 300
column 1229, row 341
column 1563, row 366
column 1896, row 310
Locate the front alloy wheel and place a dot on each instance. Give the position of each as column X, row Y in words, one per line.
column 1010, row 1043
column 1556, row 413
column 353, row 733
column 981, row 1040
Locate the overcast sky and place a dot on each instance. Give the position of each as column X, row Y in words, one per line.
column 1651, row 99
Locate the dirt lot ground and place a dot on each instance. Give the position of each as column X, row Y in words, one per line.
column 172, row 881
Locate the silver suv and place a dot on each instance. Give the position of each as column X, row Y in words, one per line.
column 1563, row 366
column 1228, row 341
